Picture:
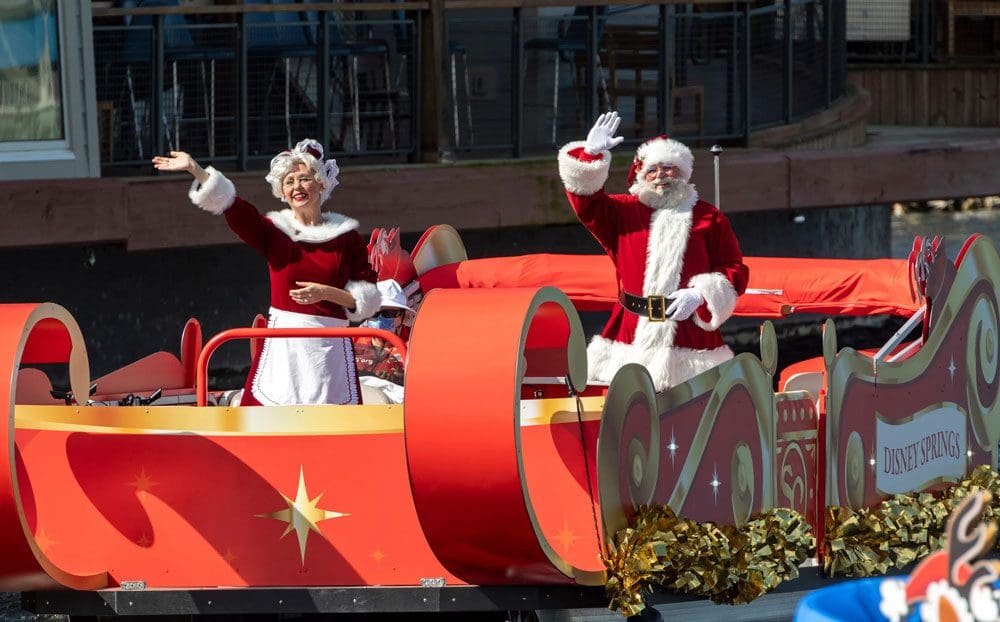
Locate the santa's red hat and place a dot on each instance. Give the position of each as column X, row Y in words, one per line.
column 660, row 150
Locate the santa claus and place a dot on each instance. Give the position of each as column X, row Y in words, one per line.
column 677, row 261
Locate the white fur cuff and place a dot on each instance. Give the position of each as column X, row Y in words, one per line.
column 367, row 300
column 215, row 195
column 719, row 295
column 579, row 177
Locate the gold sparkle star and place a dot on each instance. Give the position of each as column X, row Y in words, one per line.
column 566, row 537
column 229, row 556
column 144, row 540
column 43, row 541
column 143, row 483
column 302, row 515
column 378, row 555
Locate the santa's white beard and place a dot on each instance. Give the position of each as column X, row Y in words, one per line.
column 662, row 193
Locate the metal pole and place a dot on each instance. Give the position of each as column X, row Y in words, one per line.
column 925, row 31
column 323, row 94
column 243, row 116
column 828, row 17
column 732, row 73
column 789, row 70
column 211, row 113
column 413, row 71
column 517, row 96
column 716, row 152
column 746, row 74
column 590, row 110
column 663, row 107
column 156, row 97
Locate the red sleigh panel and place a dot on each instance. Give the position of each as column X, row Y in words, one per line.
column 928, row 420
column 706, row 448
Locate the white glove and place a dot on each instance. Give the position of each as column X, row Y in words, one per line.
column 685, row 301
column 602, row 136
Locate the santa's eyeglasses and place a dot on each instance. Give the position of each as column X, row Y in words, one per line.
column 391, row 313
column 658, row 169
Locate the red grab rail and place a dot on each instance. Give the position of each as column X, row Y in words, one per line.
column 201, row 380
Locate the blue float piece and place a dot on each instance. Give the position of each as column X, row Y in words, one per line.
column 851, row 601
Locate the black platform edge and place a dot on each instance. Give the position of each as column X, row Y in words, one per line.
column 330, row 600
column 368, row 599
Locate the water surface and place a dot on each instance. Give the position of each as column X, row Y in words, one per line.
column 954, row 227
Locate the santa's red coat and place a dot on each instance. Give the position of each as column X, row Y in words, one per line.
column 658, row 244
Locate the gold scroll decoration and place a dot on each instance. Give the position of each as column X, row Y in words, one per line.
column 742, row 477
column 631, row 396
column 854, row 471
column 629, row 468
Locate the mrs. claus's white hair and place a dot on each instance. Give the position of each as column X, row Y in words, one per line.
column 310, row 153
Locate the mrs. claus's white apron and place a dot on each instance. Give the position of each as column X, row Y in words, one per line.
column 305, row 370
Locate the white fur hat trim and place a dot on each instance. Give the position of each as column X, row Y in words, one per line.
column 665, row 151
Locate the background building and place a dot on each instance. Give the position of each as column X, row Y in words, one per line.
column 450, row 111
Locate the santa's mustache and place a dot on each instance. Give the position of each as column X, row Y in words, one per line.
column 666, row 184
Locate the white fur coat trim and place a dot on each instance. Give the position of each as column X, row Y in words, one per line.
column 215, row 195
column 668, row 235
column 334, row 225
column 579, row 177
column 665, row 151
column 719, row 295
column 367, row 300
column 668, row 367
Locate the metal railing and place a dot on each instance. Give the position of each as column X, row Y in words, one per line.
column 412, row 81
column 201, row 373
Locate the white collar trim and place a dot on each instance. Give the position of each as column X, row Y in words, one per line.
column 334, row 225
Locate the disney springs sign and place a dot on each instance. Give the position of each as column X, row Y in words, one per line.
column 923, row 449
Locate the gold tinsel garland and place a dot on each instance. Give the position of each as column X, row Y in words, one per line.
column 736, row 565
column 727, row 564
column 900, row 530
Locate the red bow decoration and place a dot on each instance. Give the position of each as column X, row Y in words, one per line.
column 381, row 244
column 387, row 257
column 921, row 257
column 633, row 171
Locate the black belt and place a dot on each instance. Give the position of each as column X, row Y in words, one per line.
column 653, row 308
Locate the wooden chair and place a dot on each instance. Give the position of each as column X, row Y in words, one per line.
column 633, row 50
column 696, row 93
column 570, row 46
column 968, row 8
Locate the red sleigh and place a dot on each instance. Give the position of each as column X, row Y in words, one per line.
column 489, row 473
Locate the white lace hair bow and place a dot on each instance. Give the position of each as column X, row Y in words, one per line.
column 310, row 152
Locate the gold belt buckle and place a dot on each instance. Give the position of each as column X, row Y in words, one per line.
column 651, row 304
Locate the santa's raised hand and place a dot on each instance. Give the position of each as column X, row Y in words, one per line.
column 602, row 136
